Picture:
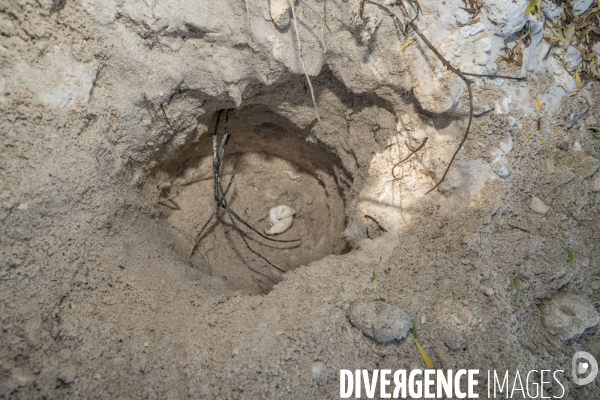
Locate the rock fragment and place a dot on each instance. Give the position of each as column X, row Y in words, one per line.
column 488, row 291
column 508, row 16
column 538, row 205
column 281, row 13
column 568, row 315
column 581, row 6
column 380, row 321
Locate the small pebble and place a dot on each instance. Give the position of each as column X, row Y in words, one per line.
column 538, row 205
column 569, row 315
column 380, row 321
column 488, row 291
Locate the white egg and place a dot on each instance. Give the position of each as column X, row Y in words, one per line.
column 281, row 218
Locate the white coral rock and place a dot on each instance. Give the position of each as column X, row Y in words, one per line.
column 281, row 218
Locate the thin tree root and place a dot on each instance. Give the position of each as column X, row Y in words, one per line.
column 446, row 63
column 412, row 152
column 220, row 196
column 312, row 92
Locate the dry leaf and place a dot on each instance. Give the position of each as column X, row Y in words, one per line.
column 538, row 104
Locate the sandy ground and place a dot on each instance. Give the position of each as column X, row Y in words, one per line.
column 107, row 108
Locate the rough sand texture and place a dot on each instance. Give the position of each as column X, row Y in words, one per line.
column 97, row 299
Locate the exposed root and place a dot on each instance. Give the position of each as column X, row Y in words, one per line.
column 446, row 63
column 412, row 152
column 312, row 92
column 220, row 196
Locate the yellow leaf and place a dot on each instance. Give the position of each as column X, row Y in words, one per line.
column 577, row 80
column 424, row 355
column 538, row 103
column 542, row 142
column 483, row 35
column 530, row 7
column 527, row 134
column 405, row 45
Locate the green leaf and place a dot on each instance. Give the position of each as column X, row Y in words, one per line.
column 530, row 7
column 373, row 277
column 517, row 290
column 555, row 189
column 596, row 130
column 413, row 329
column 571, row 256
column 539, row 306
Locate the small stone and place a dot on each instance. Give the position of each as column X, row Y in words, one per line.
column 500, row 164
column 538, row 205
column 569, row 315
column 281, row 13
column 595, row 183
column 380, row 321
column 318, row 369
column 488, row 291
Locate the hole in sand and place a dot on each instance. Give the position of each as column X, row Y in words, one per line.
column 275, row 166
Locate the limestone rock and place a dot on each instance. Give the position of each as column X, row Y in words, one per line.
column 538, row 205
column 281, row 13
column 380, row 321
column 500, row 164
column 509, row 16
column 437, row 95
column 568, row 315
column 581, row 6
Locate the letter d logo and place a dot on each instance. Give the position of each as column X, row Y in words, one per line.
column 582, row 367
